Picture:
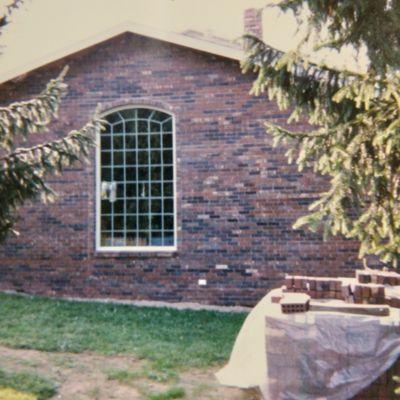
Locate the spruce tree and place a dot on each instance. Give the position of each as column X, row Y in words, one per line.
column 23, row 170
column 354, row 118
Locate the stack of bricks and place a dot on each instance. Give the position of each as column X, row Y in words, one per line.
column 393, row 302
column 316, row 288
column 367, row 288
column 379, row 277
column 363, row 293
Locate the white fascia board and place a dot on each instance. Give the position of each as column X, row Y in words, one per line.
column 127, row 26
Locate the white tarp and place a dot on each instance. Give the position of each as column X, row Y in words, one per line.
column 311, row 355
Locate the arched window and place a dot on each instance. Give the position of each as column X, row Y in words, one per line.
column 136, row 181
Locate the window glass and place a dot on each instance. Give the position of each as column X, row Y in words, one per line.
column 137, row 179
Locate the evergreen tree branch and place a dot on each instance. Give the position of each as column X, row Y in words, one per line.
column 23, row 172
column 354, row 139
column 370, row 23
column 27, row 117
column 290, row 80
column 13, row 5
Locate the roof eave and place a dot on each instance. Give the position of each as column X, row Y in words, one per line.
column 126, row 26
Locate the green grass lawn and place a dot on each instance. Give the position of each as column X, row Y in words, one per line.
column 30, row 383
column 169, row 339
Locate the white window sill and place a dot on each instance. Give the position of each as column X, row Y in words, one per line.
column 153, row 251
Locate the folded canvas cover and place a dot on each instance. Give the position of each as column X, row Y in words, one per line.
column 311, row 355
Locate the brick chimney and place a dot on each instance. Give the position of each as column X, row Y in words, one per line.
column 253, row 22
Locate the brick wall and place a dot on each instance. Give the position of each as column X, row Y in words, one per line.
column 236, row 196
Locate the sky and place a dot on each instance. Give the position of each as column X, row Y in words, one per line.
column 41, row 26
column 59, row 17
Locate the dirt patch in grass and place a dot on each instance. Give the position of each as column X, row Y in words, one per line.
column 87, row 376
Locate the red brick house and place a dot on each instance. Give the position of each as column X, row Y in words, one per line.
column 185, row 199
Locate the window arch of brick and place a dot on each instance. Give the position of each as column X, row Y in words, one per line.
column 136, row 181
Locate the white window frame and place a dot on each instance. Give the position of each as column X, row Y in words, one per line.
column 134, row 249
